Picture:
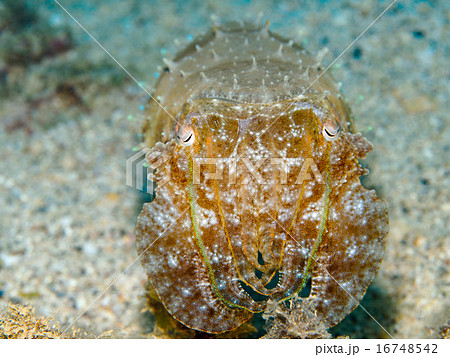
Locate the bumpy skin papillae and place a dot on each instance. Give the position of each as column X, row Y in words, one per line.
column 216, row 250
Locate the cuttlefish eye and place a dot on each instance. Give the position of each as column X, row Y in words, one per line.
column 185, row 135
column 331, row 129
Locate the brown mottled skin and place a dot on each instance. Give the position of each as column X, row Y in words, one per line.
column 216, row 250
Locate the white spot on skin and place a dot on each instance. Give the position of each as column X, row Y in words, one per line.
column 172, row 261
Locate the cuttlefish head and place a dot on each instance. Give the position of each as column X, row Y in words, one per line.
column 256, row 202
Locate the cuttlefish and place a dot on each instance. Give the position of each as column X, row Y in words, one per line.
column 258, row 194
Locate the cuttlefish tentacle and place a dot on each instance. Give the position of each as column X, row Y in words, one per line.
column 158, row 158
